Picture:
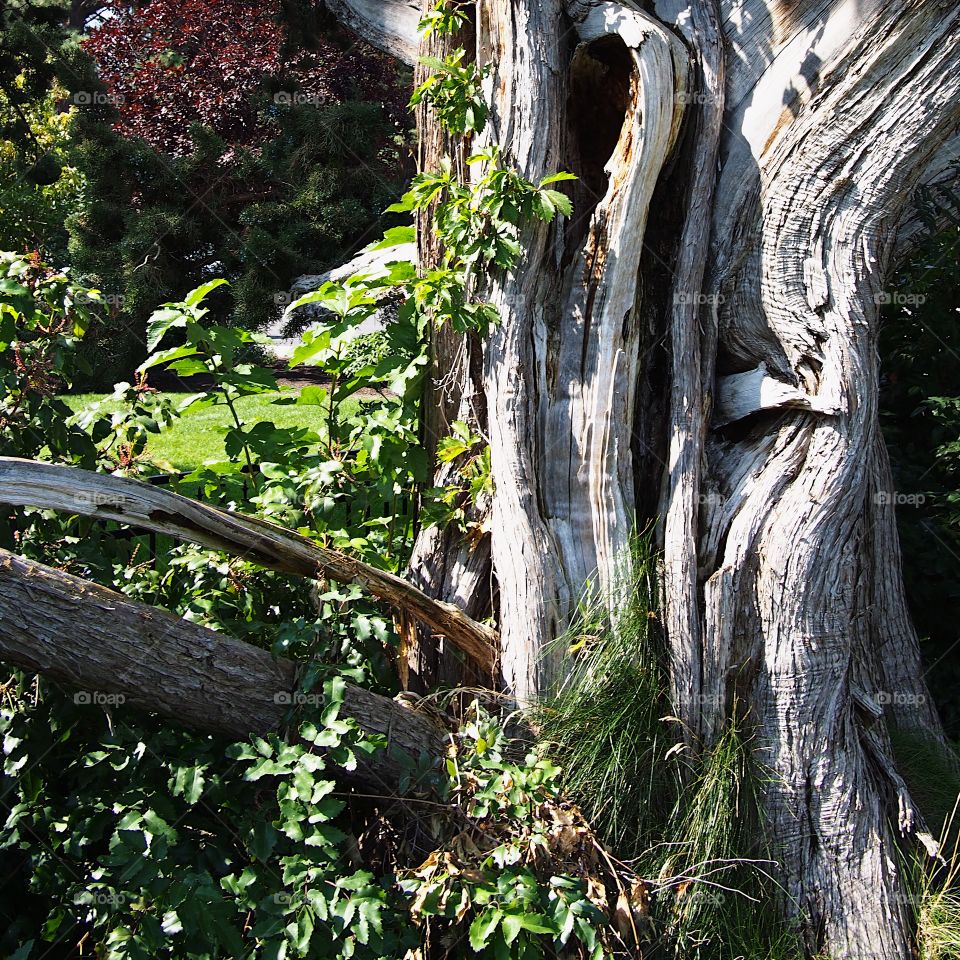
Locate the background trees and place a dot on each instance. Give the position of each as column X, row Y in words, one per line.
column 186, row 141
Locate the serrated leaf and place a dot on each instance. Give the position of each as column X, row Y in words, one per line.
column 188, row 783
column 561, row 201
column 557, row 177
column 161, row 321
column 511, row 925
column 307, row 351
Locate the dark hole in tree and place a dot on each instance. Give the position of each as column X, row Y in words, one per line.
column 599, row 100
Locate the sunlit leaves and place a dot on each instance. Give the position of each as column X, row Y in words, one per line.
column 454, row 93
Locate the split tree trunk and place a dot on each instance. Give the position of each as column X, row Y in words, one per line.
column 781, row 572
column 785, row 185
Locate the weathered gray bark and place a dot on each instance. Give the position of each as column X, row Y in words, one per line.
column 390, row 25
column 45, row 485
column 105, row 644
column 563, row 367
column 799, row 251
column 781, row 572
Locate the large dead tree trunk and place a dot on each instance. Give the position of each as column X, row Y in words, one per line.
column 781, row 569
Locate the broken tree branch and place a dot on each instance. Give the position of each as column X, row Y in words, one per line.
column 390, row 25
column 74, row 491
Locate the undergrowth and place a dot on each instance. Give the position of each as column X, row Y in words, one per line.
column 935, row 895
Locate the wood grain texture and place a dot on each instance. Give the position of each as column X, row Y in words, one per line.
column 68, row 490
column 562, row 367
column 802, row 597
column 390, row 25
column 101, row 642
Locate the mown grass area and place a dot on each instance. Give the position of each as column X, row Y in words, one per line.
column 198, row 435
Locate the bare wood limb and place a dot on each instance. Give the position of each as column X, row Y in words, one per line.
column 87, row 636
column 69, row 490
column 742, row 394
column 390, row 25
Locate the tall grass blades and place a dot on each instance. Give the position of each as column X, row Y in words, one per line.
column 604, row 721
column 936, row 896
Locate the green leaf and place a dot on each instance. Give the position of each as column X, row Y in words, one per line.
column 264, row 840
column 167, row 356
column 483, row 927
column 404, row 206
column 512, row 925
column 163, row 320
column 307, row 351
column 557, row 177
column 434, row 64
column 560, row 200
column 395, row 237
column 536, row 923
column 188, row 783
column 198, row 294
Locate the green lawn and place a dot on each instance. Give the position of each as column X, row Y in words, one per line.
column 198, row 435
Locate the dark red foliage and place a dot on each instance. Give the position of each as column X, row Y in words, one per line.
column 171, row 63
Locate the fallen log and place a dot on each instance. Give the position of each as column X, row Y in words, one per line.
column 119, row 651
column 73, row 491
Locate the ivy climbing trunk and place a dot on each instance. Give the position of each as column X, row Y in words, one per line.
column 445, row 563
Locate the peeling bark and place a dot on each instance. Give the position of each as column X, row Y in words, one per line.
column 563, row 366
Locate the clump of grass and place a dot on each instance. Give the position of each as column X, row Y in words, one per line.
column 936, row 896
column 717, row 899
column 688, row 822
column 604, row 718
